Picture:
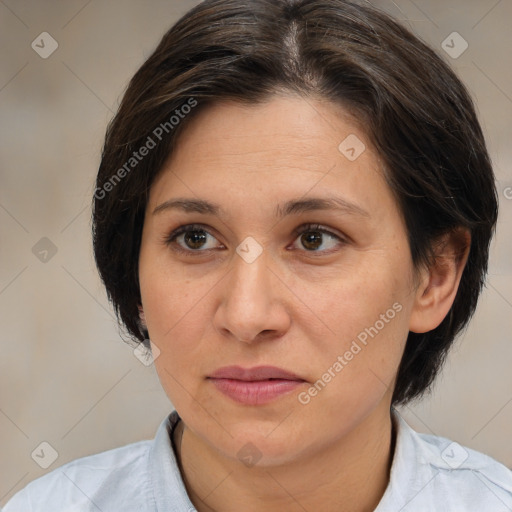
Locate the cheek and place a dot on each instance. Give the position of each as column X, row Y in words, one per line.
column 358, row 331
column 176, row 324
column 166, row 292
column 356, row 367
column 343, row 303
column 174, row 310
column 175, row 307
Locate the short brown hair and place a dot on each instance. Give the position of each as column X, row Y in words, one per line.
column 416, row 112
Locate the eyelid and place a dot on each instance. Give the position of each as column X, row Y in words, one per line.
column 322, row 229
column 183, row 229
column 303, row 228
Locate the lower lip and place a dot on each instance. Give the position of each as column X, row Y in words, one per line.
column 255, row 392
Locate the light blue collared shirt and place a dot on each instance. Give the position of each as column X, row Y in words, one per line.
column 428, row 474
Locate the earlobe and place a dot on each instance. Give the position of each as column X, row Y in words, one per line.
column 439, row 283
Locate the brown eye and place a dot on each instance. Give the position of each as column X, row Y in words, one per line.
column 311, row 240
column 195, row 239
column 314, row 236
column 191, row 239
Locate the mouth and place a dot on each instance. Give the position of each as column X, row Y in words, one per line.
column 258, row 373
column 255, row 386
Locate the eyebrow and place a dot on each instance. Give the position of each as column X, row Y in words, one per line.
column 292, row 207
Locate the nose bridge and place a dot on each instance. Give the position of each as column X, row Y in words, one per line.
column 249, row 282
column 249, row 304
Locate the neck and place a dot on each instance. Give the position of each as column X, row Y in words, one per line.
column 350, row 475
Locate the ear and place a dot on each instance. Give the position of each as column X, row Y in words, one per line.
column 439, row 283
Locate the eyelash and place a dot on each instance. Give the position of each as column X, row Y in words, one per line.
column 170, row 239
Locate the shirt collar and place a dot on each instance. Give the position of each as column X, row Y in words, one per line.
column 168, row 487
column 171, row 495
column 411, row 470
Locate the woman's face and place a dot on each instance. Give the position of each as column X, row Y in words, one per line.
column 272, row 278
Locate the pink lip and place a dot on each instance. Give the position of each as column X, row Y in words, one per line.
column 252, row 374
column 253, row 386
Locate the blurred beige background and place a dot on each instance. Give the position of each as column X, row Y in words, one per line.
column 66, row 377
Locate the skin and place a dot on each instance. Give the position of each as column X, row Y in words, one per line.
column 293, row 308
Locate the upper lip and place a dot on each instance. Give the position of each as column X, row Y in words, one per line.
column 253, row 374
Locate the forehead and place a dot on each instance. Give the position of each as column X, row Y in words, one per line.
column 286, row 126
column 287, row 145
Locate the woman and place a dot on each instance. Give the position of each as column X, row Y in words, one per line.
column 293, row 211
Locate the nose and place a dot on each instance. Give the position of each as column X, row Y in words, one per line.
column 253, row 302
